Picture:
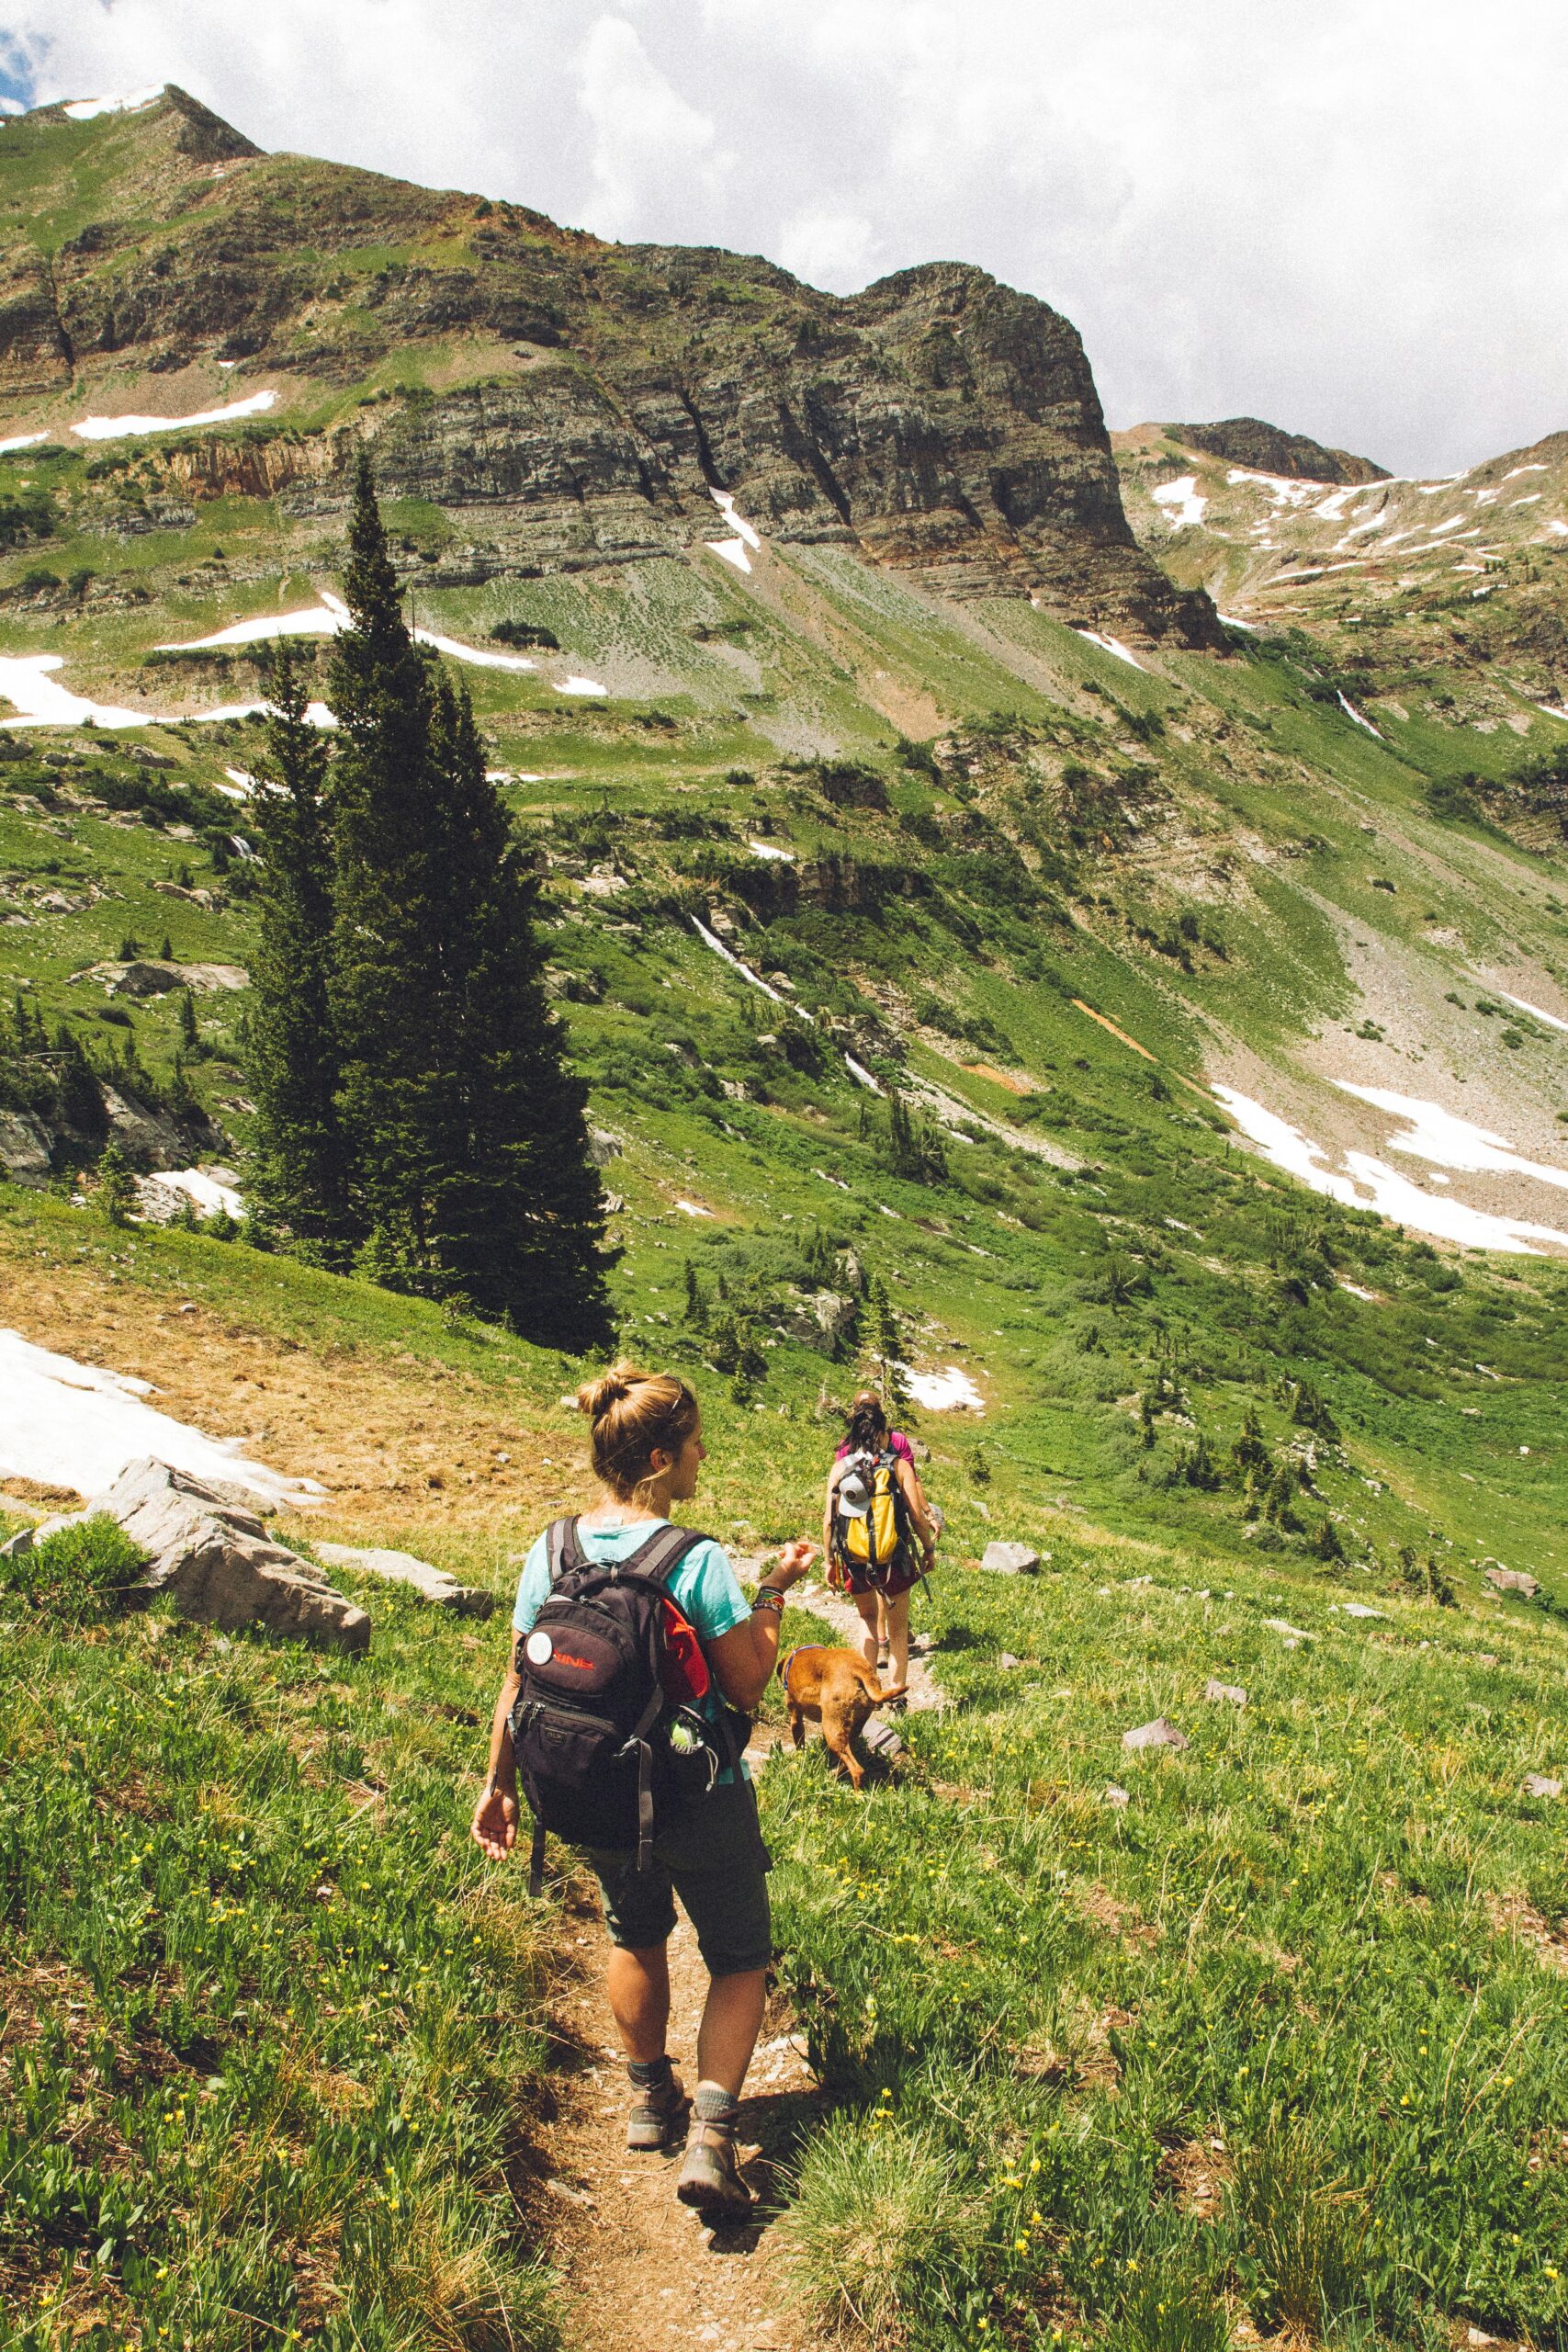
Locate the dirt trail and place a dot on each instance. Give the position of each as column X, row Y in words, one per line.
column 640, row 2272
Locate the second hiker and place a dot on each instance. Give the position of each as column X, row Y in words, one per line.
column 879, row 1531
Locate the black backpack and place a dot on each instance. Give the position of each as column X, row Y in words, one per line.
column 607, row 1755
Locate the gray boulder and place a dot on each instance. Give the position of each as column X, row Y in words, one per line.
column 1009, row 1559
column 1161, row 1733
column 1503, row 1579
column 1537, row 1784
column 432, row 1583
column 1115, row 1795
column 1231, row 1692
column 24, row 1149
column 211, row 1554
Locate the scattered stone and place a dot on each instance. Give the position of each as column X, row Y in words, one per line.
column 1283, row 1626
column 1231, row 1693
column 212, row 1554
column 1136, row 1584
column 1161, row 1733
column 402, row 1568
column 1006, row 1661
column 1478, row 2336
column 1114, row 1795
column 1009, row 1559
column 21, row 1542
column 1537, row 1784
column 1503, row 1579
column 567, row 2194
column 1358, row 1608
column 880, row 1739
column 24, row 1149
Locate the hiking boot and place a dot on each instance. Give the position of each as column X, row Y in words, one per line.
column 710, row 2178
column 658, row 2118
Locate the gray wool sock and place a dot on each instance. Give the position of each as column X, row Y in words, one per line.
column 715, row 2106
column 650, row 2074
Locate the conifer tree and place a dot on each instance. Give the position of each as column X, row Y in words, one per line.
column 471, row 1171
column 300, row 1168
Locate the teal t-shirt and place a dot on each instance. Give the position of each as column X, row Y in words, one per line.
column 705, row 1588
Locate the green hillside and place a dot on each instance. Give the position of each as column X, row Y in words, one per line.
column 941, row 921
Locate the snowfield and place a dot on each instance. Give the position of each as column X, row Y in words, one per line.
column 89, row 109
column 1109, row 644
column 114, row 428
column 22, row 441
column 326, row 619
column 69, row 1424
column 1364, row 1182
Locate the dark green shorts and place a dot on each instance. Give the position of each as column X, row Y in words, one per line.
column 713, row 1859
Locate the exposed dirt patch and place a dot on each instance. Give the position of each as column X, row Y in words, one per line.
column 400, row 1444
column 640, row 2272
column 1196, row 2174
column 1102, row 1909
column 1514, row 1914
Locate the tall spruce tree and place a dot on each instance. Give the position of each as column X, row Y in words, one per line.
column 472, row 1176
column 300, row 1166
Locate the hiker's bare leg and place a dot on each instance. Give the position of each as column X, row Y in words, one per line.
column 732, row 2019
column 638, row 1984
column 881, row 1623
column 868, row 1604
column 898, row 1639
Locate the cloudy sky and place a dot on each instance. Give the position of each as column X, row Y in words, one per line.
column 1347, row 216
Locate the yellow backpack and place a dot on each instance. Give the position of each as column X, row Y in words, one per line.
column 871, row 1521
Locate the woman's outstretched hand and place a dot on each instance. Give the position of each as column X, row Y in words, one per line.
column 494, row 1827
column 795, row 1559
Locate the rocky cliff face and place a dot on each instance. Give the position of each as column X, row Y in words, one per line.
column 591, row 397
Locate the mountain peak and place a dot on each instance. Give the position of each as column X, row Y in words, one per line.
column 1268, row 450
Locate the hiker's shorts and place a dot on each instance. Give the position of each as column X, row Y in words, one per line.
column 713, row 1859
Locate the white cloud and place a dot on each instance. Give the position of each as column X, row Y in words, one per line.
column 834, row 250
column 1348, row 219
column 654, row 155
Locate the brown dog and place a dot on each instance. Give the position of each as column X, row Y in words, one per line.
column 838, row 1689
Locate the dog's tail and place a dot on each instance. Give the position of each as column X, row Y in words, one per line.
column 872, row 1688
column 896, row 1693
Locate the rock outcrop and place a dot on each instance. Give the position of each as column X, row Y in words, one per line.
column 417, row 1575
column 213, row 1557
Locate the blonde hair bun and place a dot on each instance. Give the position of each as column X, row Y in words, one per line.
column 635, row 1414
column 596, row 1396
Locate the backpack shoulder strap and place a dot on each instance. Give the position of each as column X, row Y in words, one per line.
column 661, row 1555
column 564, row 1554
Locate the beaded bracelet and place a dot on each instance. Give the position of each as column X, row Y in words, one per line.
column 768, row 1595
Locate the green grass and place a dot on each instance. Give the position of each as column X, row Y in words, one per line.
column 271, row 2035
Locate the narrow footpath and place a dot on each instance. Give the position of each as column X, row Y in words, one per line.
column 641, row 2273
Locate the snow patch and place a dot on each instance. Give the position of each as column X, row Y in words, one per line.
column 737, row 522
column 114, row 428
column 713, row 940
column 692, row 1208
column 89, row 109
column 580, row 686
column 1230, row 621
column 860, row 1075
column 768, row 850
column 1533, row 499
column 1515, row 471
column 69, row 1424
column 944, row 1392
column 1109, row 644
column 1366, row 1183
column 204, row 1193
column 732, row 551
column 1352, row 712
column 1550, row 712
column 1182, row 503
column 1283, row 491
column 22, row 441
column 328, row 619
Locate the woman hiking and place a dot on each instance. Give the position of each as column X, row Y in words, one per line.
column 874, row 1516
column 716, row 1652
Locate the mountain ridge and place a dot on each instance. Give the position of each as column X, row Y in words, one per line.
column 585, row 398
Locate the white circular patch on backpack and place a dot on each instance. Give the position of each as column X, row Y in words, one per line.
column 538, row 1649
